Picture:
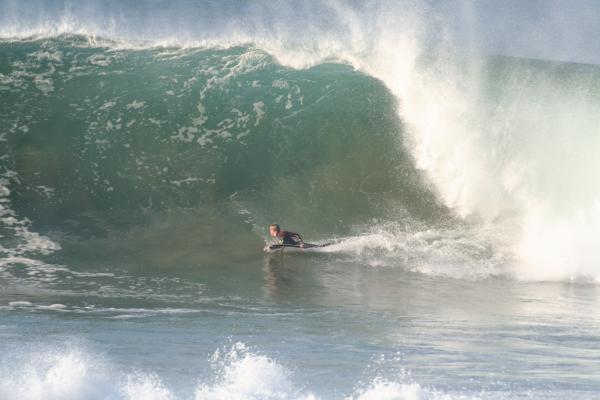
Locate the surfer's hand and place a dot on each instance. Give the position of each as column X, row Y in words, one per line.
column 302, row 245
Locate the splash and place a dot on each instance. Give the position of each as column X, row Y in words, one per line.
column 238, row 373
column 244, row 375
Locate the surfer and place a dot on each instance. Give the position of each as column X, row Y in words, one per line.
column 285, row 237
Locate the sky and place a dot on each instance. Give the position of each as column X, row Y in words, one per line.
column 556, row 30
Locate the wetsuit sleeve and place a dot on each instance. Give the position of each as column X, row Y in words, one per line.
column 290, row 238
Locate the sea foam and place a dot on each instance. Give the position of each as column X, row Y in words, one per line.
column 238, row 374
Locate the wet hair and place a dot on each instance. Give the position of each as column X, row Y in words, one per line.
column 276, row 226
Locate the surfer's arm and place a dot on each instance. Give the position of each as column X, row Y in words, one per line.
column 298, row 239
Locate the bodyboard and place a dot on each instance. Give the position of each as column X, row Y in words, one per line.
column 307, row 246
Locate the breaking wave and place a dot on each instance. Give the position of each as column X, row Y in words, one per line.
column 369, row 121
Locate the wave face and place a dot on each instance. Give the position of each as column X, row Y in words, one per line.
column 125, row 134
column 339, row 119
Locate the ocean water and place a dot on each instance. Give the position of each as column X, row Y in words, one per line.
column 145, row 147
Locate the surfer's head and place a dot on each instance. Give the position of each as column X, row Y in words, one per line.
column 274, row 229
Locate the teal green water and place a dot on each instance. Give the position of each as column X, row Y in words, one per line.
column 131, row 134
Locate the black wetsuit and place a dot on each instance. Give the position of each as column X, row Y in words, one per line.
column 289, row 238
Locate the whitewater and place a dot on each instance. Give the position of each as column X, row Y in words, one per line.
column 145, row 147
